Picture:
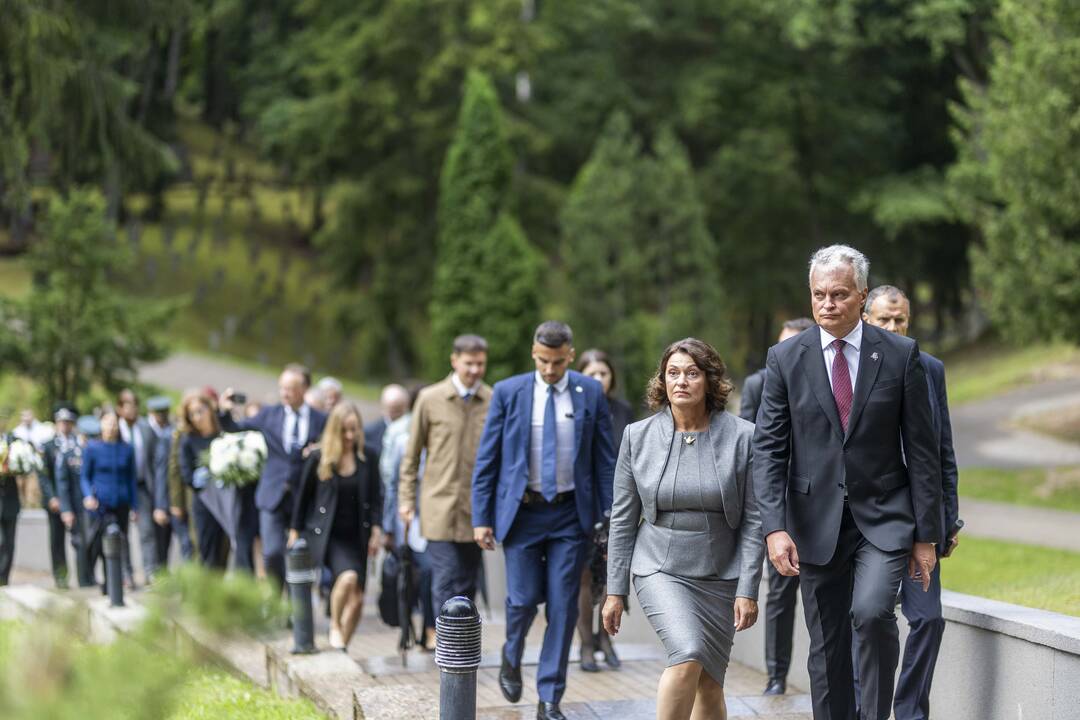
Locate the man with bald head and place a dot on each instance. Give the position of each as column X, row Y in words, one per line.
column 848, row 483
column 290, row 428
column 888, row 308
column 393, row 402
column 447, row 421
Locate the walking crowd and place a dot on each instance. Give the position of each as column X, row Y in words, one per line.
column 839, row 468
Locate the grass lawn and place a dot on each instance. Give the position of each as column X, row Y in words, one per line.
column 1057, row 488
column 986, row 369
column 14, row 279
column 1020, row 574
column 209, row 694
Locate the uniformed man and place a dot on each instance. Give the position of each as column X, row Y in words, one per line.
column 67, row 470
column 64, row 439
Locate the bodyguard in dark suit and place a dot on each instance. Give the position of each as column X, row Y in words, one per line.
column 780, row 602
column 65, row 438
column 136, row 432
column 289, row 427
column 848, row 482
column 887, row 307
column 543, row 474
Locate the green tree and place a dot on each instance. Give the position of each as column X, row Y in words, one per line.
column 77, row 328
column 487, row 275
column 1017, row 178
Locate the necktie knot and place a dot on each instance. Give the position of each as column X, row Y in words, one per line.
column 838, row 345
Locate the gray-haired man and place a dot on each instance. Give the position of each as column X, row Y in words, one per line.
column 848, row 483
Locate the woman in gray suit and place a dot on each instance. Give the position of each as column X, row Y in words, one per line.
column 695, row 558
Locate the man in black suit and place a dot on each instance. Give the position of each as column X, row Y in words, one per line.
column 888, row 308
column 290, row 429
column 153, row 528
column 780, row 601
column 848, row 482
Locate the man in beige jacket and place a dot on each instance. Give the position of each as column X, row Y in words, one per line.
column 447, row 421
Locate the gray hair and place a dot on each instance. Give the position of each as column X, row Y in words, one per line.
column 887, row 290
column 834, row 256
column 329, row 383
column 554, row 334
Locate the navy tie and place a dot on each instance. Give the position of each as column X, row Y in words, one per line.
column 548, row 487
column 294, row 436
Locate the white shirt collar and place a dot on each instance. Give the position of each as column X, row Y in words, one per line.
column 559, row 386
column 460, row 386
column 303, row 412
column 853, row 338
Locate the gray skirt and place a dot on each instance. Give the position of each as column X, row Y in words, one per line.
column 694, row 618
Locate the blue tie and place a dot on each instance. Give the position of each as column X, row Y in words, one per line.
column 547, row 473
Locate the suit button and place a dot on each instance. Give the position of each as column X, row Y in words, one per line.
column 367, row 525
column 322, row 510
column 318, row 531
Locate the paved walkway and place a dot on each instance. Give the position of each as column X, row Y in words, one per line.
column 182, row 370
column 1017, row 523
column 985, row 435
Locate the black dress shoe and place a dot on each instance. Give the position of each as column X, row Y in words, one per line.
column 549, row 711
column 776, row 686
column 509, row 680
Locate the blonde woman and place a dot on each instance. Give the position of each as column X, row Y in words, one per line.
column 339, row 513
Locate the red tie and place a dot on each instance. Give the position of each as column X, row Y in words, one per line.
column 841, row 383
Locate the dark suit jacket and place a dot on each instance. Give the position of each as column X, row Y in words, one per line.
column 501, row 473
column 887, row 459
column 162, row 450
column 750, row 400
column 281, row 472
column 373, row 434
column 950, row 476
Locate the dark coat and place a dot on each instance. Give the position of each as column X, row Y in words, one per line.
column 316, row 504
column 750, row 400
column 281, row 472
column 887, row 460
column 950, row 476
column 108, row 473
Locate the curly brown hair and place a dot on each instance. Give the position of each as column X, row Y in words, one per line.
column 717, row 387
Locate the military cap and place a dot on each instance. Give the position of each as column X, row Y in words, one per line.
column 89, row 426
column 159, row 403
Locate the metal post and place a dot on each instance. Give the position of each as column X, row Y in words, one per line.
column 457, row 653
column 111, row 547
column 300, row 575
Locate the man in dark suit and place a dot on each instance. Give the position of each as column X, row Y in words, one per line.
column 887, row 307
column 542, row 478
column 290, row 428
column 780, row 601
column 848, row 483
column 136, row 431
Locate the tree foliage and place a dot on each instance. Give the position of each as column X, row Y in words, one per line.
column 77, row 327
column 1018, row 175
column 487, row 277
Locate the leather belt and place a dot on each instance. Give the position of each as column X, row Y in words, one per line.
column 531, row 497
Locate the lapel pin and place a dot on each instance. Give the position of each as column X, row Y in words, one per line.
column 577, row 388
column 874, row 357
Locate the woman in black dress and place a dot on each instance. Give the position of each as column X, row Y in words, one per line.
column 339, row 513
column 597, row 365
column 199, row 428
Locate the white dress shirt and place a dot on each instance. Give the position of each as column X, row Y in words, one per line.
column 462, row 391
column 291, row 418
column 564, row 435
column 852, row 348
column 135, row 439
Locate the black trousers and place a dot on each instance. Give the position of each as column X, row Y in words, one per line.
column 9, row 518
column 247, row 530
column 213, row 540
column 98, row 523
column 80, row 543
column 153, row 538
column 57, row 548
column 273, row 528
column 926, row 625
column 779, row 622
column 855, row 591
column 455, row 567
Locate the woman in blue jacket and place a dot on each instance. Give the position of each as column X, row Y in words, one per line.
column 108, row 485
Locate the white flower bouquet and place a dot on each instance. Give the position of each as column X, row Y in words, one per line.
column 237, row 458
column 20, row 458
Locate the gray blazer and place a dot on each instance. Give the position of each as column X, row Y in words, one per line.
column 643, row 457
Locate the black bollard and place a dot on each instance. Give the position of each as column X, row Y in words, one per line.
column 457, row 653
column 300, row 575
column 111, row 547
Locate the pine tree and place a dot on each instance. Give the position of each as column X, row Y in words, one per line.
column 487, row 275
